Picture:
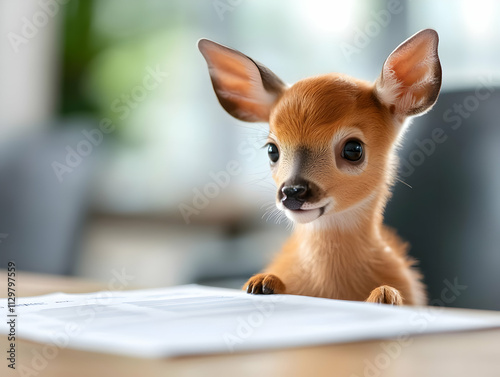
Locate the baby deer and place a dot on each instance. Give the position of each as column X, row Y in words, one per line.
column 332, row 148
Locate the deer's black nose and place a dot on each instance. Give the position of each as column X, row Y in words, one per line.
column 295, row 191
column 294, row 196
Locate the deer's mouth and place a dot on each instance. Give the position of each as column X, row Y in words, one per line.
column 307, row 212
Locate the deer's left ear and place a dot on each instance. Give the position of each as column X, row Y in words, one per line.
column 411, row 77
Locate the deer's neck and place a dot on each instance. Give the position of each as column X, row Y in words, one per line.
column 353, row 232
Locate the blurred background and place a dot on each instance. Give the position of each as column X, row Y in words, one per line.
column 116, row 158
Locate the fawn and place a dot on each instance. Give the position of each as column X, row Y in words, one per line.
column 332, row 148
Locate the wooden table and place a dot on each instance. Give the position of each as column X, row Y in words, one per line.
column 474, row 353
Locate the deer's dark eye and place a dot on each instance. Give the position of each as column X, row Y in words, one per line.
column 272, row 152
column 353, row 150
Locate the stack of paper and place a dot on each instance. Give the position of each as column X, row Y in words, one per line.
column 195, row 319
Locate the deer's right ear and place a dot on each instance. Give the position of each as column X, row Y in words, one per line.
column 246, row 89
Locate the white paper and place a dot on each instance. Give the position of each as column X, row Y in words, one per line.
column 194, row 319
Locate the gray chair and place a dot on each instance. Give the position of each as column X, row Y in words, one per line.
column 451, row 216
column 41, row 218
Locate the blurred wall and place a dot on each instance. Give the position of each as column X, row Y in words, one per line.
column 29, row 64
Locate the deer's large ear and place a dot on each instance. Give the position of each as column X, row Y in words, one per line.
column 246, row 89
column 411, row 76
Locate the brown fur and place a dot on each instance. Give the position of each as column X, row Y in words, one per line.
column 335, row 262
column 345, row 252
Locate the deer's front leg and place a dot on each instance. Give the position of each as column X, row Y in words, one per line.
column 265, row 284
column 385, row 295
